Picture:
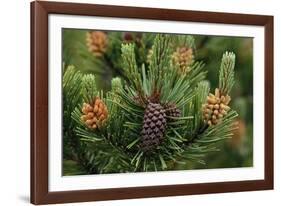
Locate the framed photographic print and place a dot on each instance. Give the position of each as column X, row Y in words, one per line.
column 133, row 102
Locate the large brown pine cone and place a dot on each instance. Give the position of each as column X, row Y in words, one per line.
column 154, row 125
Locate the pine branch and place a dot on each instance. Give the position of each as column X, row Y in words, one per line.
column 204, row 139
column 159, row 62
column 72, row 85
column 117, row 145
column 226, row 74
column 89, row 89
column 131, row 68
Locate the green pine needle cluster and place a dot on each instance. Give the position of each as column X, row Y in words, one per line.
column 115, row 147
column 226, row 75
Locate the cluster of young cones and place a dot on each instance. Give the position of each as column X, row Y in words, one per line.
column 95, row 114
column 96, row 42
column 183, row 57
column 216, row 107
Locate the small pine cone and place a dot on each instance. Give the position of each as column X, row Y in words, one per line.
column 95, row 114
column 216, row 107
column 172, row 110
column 128, row 37
column 183, row 57
column 96, row 42
column 154, row 125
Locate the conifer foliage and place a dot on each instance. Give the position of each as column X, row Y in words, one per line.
column 158, row 112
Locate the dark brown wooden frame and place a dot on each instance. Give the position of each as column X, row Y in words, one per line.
column 39, row 102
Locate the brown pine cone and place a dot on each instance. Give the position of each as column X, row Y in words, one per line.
column 154, row 125
column 95, row 114
column 130, row 37
column 172, row 110
column 96, row 42
column 216, row 107
column 183, row 57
